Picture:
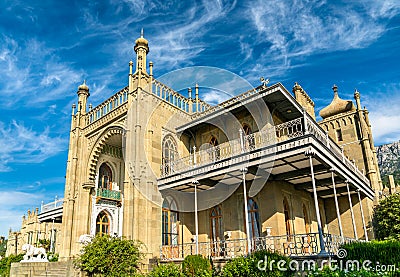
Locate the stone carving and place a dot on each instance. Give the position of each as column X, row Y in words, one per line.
column 34, row 254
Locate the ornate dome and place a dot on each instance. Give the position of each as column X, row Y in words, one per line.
column 83, row 86
column 337, row 105
column 141, row 42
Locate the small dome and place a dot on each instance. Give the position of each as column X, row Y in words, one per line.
column 83, row 86
column 141, row 41
column 337, row 106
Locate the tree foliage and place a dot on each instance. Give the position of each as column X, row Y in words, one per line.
column 166, row 270
column 5, row 263
column 387, row 218
column 110, row 256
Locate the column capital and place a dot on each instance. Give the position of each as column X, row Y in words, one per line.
column 195, row 182
column 244, row 169
column 333, row 170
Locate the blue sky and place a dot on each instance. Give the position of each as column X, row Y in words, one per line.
column 48, row 47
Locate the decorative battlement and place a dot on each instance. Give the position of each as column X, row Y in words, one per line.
column 185, row 104
column 107, row 106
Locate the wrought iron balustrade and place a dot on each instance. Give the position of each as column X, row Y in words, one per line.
column 289, row 245
column 109, row 194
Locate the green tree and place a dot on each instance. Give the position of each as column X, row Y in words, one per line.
column 387, row 218
column 196, row 266
column 110, row 256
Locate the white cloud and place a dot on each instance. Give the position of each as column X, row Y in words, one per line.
column 16, row 204
column 295, row 29
column 19, row 144
column 34, row 71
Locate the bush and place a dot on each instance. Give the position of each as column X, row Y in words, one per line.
column 196, row 265
column 110, row 256
column 52, row 257
column 378, row 252
column 257, row 264
column 326, row 272
column 5, row 263
column 166, row 270
column 386, row 219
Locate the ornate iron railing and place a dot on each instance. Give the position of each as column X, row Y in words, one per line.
column 108, row 194
column 268, row 136
column 289, row 245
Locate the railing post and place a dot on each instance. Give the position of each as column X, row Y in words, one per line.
column 351, row 210
column 194, row 156
column 241, row 140
column 305, row 121
column 196, row 219
column 310, row 154
column 362, row 216
column 246, row 212
column 337, row 205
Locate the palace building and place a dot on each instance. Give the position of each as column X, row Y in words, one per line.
column 184, row 177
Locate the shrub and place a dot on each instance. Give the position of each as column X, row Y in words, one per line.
column 52, row 257
column 196, row 265
column 110, row 256
column 326, row 272
column 5, row 263
column 386, row 219
column 259, row 263
column 166, row 270
column 378, row 252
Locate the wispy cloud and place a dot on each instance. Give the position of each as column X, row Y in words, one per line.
column 16, row 205
column 292, row 30
column 22, row 145
column 32, row 74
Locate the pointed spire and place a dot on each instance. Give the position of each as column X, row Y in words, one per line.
column 141, row 33
column 335, row 91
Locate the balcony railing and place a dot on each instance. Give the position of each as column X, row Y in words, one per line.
column 109, row 194
column 266, row 137
column 52, row 205
column 289, row 245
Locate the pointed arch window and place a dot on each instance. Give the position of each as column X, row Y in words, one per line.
column 169, row 222
column 286, row 212
column 214, row 150
column 102, row 223
column 105, row 177
column 216, row 231
column 249, row 140
column 254, row 219
column 169, row 154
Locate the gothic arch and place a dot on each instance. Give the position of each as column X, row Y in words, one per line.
column 98, row 146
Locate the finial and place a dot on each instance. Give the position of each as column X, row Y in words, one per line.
column 335, row 90
column 264, row 81
column 141, row 33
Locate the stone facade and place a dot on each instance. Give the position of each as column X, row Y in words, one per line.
column 118, row 166
column 31, row 232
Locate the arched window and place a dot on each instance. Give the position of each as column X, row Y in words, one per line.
column 254, row 219
column 169, row 222
column 216, row 224
column 214, row 151
column 169, row 154
column 249, row 141
column 217, row 233
column 286, row 212
column 213, row 141
column 102, row 223
column 105, row 177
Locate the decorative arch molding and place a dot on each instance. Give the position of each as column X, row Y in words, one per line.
column 97, row 148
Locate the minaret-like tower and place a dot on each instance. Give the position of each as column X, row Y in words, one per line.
column 142, row 49
column 83, row 94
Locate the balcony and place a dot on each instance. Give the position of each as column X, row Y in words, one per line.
column 300, row 245
column 108, row 194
